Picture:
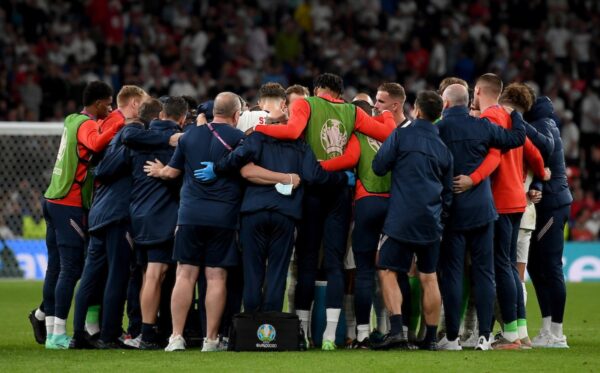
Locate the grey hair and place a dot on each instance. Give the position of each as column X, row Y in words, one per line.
column 456, row 95
column 226, row 104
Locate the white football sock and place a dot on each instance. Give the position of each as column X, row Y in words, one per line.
column 524, row 293
column 303, row 315
column 556, row 329
column 363, row 332
column 49, row 325
column 350, row 317
column 333, row 317
column 546, row 322
column 92, row 328
column 522, row 330
column 39, row 315
column 60, row 326
column 511, row 336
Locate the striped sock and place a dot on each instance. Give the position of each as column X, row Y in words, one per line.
column 522, row 328
column 510, row 331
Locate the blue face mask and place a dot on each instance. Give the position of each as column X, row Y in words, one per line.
column 284, row 189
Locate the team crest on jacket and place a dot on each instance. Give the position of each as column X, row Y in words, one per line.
column 334, row 137
column 374, row 144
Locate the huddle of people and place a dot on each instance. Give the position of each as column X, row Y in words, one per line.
column 429, row 221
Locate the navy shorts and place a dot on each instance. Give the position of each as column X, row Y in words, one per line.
column 206, row 246
column 161, row 252
column 397, row 256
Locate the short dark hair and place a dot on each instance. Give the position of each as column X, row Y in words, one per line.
column 446, row 82
column 330, row 81
column 364, row 105
column 149, row 110
column 491, row 82
column 395, row 90
column 519, row 95
column 175, row 107
column 430, row 105
column 297, row 89
column 96, row 90
column 272, row 90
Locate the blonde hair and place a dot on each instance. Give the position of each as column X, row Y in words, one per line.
column 129, row 92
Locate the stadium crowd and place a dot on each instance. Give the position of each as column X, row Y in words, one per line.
column 50, row 50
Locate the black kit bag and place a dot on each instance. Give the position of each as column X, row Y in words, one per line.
column 266, row 331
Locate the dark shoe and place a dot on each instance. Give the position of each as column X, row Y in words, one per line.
column 83, row 341
column 39, row 328
column 149, row 346
column 376, row 336
column 112, row 345
column 391, row 341
column 427, row 346
column 365, row 344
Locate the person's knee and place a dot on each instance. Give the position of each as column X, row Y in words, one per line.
column 428, row 281
column 215, row 274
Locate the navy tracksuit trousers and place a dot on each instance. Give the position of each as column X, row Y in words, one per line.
column 508, row 283
column 267, row 242
column 65, row 241
column 369, row 216
column 545, row 261
column 134, row 311
column 325, row 219
column 109, row 252
column 455, row 243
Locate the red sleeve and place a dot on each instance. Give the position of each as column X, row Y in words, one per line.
column 373, row 127
column 485, row 169
column 299, row 114
column 96, row 136
column 534, row 159
column 346, row 161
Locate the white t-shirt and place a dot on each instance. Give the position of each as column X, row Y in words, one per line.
column 570, row 139
column 590, row 107
column 249, row 119
column 558, row 38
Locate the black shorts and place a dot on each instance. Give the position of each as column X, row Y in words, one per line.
column 206, row 246
column 397, row 256
column 161, row 252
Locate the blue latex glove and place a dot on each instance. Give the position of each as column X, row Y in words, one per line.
column 351, row 178
column 207, row 173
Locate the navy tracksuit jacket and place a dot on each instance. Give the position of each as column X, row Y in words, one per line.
column 471, row 214
column 110, row 245
column 552, row 212
column 269, row 218
column 421, row 192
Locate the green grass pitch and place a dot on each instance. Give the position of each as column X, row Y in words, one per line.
column 20, row 353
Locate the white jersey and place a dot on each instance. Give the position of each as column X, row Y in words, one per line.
column 528, row 219
column 249, row 119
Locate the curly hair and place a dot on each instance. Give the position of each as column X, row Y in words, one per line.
column 330, row 81
column 519, row 95
column 96, row 90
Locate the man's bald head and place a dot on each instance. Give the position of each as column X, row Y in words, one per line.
column 456, row 95
column 226, row 105
column 363, row 97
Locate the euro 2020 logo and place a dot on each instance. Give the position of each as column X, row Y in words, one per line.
column 333, row 137
column 266, row 333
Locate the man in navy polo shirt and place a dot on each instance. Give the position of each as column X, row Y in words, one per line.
column 418, row 159
column 207, row 219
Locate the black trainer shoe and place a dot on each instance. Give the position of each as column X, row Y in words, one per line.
column 99, row 344
column 391, row 341
column 83, row 341
column 149, row 346
column 427, row 346
column 39, row 328
column 365, row 344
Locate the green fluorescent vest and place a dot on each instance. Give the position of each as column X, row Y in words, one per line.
column 371, row 182
column 329, row 127
column 65, row 168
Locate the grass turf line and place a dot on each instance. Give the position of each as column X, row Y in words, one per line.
column 20, row 353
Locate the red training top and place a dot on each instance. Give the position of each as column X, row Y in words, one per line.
column 92, row 137
column 507, row 181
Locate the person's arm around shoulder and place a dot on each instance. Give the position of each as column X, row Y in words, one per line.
column 374, row 128
column 386, row 156
column 299, row 115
